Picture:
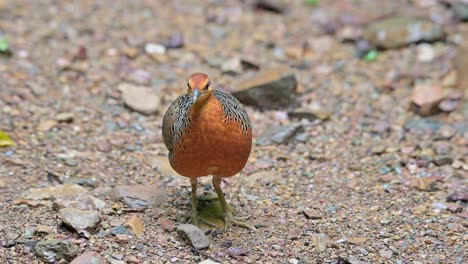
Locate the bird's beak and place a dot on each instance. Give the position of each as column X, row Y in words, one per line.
column 196, row 94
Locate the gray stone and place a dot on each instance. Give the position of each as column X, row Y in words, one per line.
column 139, row 196
column 56, row 250
column 460, row 10
column 89, row 257
column 140, row 98
column 309, row 113
column 80, row 219
column 280, row 134
column 270, row 89
column 400, row 31
column 195, row 235
column 441, row 160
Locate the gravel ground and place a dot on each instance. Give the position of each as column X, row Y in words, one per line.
column 367, row 163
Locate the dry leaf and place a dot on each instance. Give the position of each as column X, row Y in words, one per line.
column 135, row 224
column 5, row 140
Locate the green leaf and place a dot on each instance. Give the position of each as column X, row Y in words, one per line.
column 371, row 55
column 312, row 2
column 5, row 140
column 3, row 44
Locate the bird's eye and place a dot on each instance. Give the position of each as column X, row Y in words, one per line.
column 207, row 85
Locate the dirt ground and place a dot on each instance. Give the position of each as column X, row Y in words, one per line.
column 377, row 172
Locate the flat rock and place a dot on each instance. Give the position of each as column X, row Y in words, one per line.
column 82, row 201
column 280, row 134
column 89, row 257
column 139, row 196
column 460, row 10
column 140, row 98
column 426, row 98
column 309, row 113
column 56, row 250
column 80, row 219
column 53, row 192
column 400, row 31
column 460, row 195
column 208, row 261
column 270, row 89
column 194, row 235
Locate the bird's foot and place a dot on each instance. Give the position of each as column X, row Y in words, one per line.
column 196, row 220
column 236, row 220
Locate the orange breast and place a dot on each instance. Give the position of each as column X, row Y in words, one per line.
column 213, row 145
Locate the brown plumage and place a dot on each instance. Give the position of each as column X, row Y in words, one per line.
column 207, row 132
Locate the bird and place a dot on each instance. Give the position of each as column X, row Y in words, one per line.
column 207, row 133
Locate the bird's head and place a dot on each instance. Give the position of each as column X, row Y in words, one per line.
column 198, row 85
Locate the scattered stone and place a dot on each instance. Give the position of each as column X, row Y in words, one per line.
column 423, row 125
column 460, row 9
column 104, row 146
column 426, row 53
column 44, row 230
column 270, row 89
column 120, row 230
column 56, row 250
column 80, row 219
column 166, row 224
column 447, row 132
column 65, row 117
column 237, row 251
column 71, row 162
column 135, row 224
column 117, row 221
column 441, row 160
column 195, row 235
column 175, row 41
column 448, row 105
column 310, row 114
column 280, row 134
column 152, row 49
column 456, row 196
column 140, row 98
column 379, row 149
column 320, row 241
column 357, row 240
column 232, row 66
column 423, row 184
column 89, row 257
column 386, row 253
column 312, row 214
column 400, row 31
column 208, row 261
column 46, row 125
column 140, row 77
column 122, row 238
column 426, row 98
column 139, row 196
column 132, row 260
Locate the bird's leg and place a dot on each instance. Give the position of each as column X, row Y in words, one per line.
column 228, row 218
column 193, row 182
column 194, row 216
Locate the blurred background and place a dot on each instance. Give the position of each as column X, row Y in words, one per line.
column 359, row 115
